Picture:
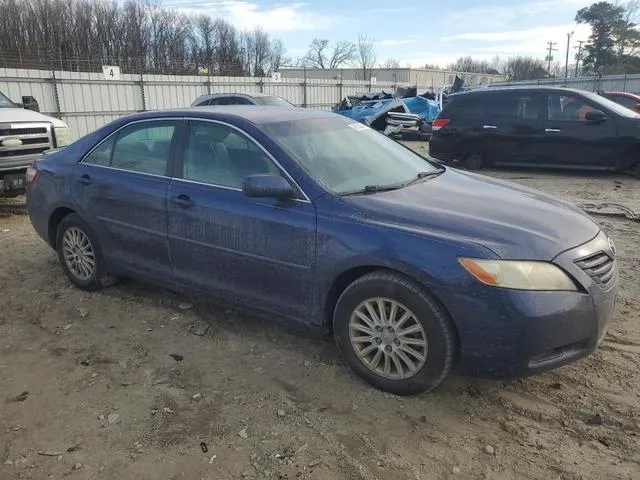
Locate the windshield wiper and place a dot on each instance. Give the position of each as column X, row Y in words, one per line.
column 422, row 176
column 372, row 189
column 395, row 186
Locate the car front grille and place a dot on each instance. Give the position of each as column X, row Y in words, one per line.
column 601, row 267
column 34, row 138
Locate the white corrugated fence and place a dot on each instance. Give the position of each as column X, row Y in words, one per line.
column 86, row 101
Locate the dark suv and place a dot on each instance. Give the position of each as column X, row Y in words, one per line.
column 536, row 126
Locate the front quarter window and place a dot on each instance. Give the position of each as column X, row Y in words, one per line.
column 5, row 102
column 346, row 157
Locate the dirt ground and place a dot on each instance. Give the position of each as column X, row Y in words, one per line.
column 253, row 399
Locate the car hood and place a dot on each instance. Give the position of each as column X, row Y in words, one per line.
column 515, row 222
column 24, row 115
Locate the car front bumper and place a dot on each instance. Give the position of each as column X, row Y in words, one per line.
column 511, row 333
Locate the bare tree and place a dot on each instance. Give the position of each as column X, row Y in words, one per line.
column 366, row 56
column 278, row 55
column 316, row 56
column 391, row 63
column 524, row 68
column 320, row 55
column 136, row 35
column 343, row 53
column 258, row 51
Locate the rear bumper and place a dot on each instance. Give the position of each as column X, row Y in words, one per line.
column 512, row 334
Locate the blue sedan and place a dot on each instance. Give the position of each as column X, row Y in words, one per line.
column 415, row 269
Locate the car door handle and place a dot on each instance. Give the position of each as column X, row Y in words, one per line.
column 85, row 179
column 552, row 130
column 184, row 200
column 489, row 127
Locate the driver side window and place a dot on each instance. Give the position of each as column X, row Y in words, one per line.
column 568, row 108
column 216, row 154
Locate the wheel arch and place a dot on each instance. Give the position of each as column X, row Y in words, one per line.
column 351, row 274
column 54, row 220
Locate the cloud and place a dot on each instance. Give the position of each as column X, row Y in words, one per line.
column 394, row 42
column 531, row 42
column 551, row 32
column 499, row 15
column 248, row 15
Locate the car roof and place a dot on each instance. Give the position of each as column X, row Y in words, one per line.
column 236, row 94
column 256, row 114
column 510, row 88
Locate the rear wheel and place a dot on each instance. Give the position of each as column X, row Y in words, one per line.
column 474, row 161
column 79, row 253
column 393, row 334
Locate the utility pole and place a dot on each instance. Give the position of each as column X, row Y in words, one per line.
column 566, row 62
column 578, row 56
column 550, row 48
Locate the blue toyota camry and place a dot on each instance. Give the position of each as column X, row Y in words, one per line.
column 414, row 268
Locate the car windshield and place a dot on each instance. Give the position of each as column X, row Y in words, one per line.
column 5, row 102
column 611, row 105
column 273, row 101
column 349, row 157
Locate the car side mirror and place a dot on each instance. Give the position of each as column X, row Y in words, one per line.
column 30, row 103
column 269, row 186
column 595, row 116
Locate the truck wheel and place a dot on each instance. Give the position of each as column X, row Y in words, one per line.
column 393, row 334
column 79, row 253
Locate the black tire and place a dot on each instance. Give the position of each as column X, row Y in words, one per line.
column 474, row 161
column 99, row 278
column 440, row 334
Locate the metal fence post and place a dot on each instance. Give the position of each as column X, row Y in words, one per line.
column 208, row 80
column 142, row 95
column 56, row 94
column 304, row 88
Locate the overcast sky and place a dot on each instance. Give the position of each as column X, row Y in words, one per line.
column 416, row 31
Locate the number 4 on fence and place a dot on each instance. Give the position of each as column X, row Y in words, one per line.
column 111, row 72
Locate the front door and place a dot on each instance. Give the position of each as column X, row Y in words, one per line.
column 257, row 251
column 121, row 188
column 570, row 140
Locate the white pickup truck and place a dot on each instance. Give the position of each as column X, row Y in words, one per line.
column 24, row 134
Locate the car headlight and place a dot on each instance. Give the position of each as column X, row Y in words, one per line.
column 63, row 136
column 520, row 275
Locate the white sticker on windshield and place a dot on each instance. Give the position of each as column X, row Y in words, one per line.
column 358, row 127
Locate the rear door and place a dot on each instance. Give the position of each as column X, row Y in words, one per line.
column 121, row 188
column 570, row 140
column 513, row 126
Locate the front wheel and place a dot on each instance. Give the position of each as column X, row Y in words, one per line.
column 79, row 253
column 394, row 334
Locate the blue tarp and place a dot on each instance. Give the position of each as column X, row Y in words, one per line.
column 426, row 109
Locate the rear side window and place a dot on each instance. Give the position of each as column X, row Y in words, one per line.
column 465, row 106
column 514, row 107
column 140, row 147
column 219, row 101
column 239, row 101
